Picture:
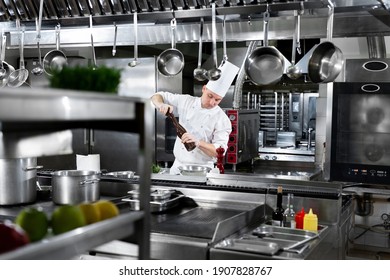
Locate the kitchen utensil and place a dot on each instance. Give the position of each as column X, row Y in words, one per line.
column 171, row 61
column 194, row 170
column 6, row 69
column 75, row 186
column 18, row 180
column 180, row 130
column 38, row 69
column 3, row 72
column 122, row 174
column 225, row 56
column 135, row 60
column 200, row 73
column 293, row 72
column 19, row 76
column 265, row 65
column 115, row 35
column 55, row 60
column 327, row 60
column 92, row 44
column 214, row 73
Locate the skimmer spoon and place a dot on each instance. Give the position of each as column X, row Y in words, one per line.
column 38, row 70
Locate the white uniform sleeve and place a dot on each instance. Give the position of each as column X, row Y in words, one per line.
column 222, row 132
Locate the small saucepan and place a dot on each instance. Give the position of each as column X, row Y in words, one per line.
column 171, row 61
column 265, row 65
column 56, row 59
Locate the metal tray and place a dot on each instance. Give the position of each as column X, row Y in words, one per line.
column 157, row 206
column 249, row 246
column 287, row 238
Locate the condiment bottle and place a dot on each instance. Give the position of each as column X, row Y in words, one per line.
column 310, row 222
column 299, row 219
column 277, row 214
column 289, row 213
column 180, row 130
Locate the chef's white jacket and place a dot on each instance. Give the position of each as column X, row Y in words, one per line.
column 210, row 125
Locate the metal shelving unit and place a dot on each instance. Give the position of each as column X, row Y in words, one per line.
column 29, row 113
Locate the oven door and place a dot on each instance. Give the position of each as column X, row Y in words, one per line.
column 360, row 148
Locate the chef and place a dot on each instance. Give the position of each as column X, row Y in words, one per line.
column 206, row 123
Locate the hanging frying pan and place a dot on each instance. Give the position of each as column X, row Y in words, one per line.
column 171, row 61
column 265, row 65
column 326, row 61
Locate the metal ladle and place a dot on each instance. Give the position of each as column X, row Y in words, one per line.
column 4, row 65
column 3, row 72
column 214, row 73
column 135, row 60
column 19, row 76
column 92, row 44
column 38, row 70
column 200, row 73
column 293, row 72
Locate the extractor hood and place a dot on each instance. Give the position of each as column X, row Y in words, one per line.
column 353, row 18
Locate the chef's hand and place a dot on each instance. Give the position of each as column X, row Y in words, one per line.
column 165, row 108
column 189, row 138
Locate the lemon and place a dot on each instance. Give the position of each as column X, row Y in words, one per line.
column 34, row 222
column 66, row 218
column 107, row 209
column 91, row 212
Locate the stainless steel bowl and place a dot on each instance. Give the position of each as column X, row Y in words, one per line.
column 194, row 170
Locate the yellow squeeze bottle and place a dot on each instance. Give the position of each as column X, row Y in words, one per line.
column 310, row 221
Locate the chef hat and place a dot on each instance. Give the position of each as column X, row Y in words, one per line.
column 228, row 73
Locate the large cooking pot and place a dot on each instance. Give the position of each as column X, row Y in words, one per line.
column 18, row 181
column 171, row 61
column 327, row 60
column 265, row 65
column 75, row 186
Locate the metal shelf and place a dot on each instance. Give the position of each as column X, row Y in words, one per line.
column 78, row 241
column 30, row 121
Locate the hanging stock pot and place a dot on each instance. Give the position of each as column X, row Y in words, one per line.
column 18, row 180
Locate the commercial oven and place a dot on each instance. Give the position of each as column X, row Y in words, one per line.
column 360, row 126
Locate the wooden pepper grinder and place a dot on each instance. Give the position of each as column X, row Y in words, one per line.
column 220, row 166
column 180, row 130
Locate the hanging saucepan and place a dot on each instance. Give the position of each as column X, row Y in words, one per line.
column 171, row 61
column 55, row 59
column 265, row 65
column 326, row 61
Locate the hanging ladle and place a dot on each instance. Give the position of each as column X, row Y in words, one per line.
column 3, row 72
column 135, row 60
column 225, row 56
column 200, row 73
column 293, row 72
column 92, row 44
column 214, row 73
column 19, row 76
column 38, row 70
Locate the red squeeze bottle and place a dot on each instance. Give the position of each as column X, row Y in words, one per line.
column 299, row 218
